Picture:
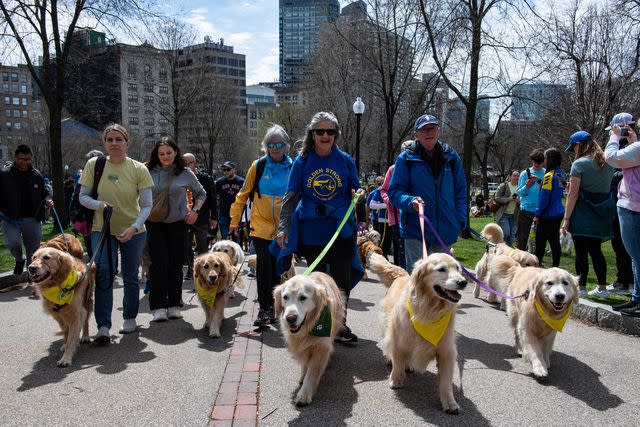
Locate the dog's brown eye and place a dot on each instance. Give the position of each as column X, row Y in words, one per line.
column 46, row 257
column 549, row 283
column 442, row 269
column 303, row 298
column 565, row 283
column 216, row 265
column 285, row 297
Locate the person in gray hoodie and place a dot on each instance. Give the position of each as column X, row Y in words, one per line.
column 166, row 236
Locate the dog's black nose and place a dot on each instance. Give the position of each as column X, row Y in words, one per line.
column 560, row 297
column 291, row 318
column 32, row 269
column 461, row 284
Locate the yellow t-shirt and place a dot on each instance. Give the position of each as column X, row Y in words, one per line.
column 511, row 206
column 119, row 187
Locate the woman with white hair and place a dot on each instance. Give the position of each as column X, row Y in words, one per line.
column 264, row 186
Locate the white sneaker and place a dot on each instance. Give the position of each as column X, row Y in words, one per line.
column 174, row 313
column 596, row 292
column 128, row 326
column 582, row 293
column 103, row 336
column 159, row 315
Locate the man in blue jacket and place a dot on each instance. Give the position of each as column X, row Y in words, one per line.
column 429, row 172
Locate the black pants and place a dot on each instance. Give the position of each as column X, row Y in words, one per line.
column 398, row 247
column 548, row 230
column 266, row 276
column 166, row 248
column 200, row 236
column 525, row 219
column 336, row 263
column 385, row 235
column 586, row 246
column 624, row 273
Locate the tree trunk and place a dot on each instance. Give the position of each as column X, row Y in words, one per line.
column 57, row 170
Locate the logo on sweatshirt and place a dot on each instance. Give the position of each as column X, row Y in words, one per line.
column 324, row 182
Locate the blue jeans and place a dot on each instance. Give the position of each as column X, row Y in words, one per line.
column 413, row 251
column 223, row 226
column 29, row 231
column 508, row 228
column 630, row 230
column 130, row 254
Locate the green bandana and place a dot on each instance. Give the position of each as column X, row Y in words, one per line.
column 324, row 325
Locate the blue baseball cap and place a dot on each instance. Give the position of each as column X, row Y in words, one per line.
column 579, row 136
column 425, row 119
column 621, row 119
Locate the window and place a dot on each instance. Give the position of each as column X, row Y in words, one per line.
column 148, row 88
column 16, row 113
column 8, row 125
column 131, row 70
column 133, row 98
column 14, row 77
column 147, row 69
column 253, row 115
column 7, row 100
column 5, row 76
column 24, row 101
column 5, row 87
column 23, row 89
column 132, row 87
column 23, row 77
column 133, row 121
column 14, row 87
column 16, row 101
column 221, row 61
column 7, row 113
column 16, row 125
column 164, row 89
column 133, row 110
column 148, row 99
column 148, row 112
column 163, row 121
column 148, row 122
column 163, row 73
column 25, row 113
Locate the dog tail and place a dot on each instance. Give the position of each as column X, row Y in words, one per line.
column 387, row 272
column 493, row 233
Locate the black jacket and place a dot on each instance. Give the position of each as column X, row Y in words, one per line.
column 11, row 198
column 210, row 208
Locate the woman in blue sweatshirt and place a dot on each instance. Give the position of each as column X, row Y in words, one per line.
column 549, row 213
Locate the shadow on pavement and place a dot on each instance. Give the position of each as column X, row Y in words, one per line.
column 14, row 293
column 492, row 355
column 108, row 359
column 349, row 366
column 580, row 381
column 359, row 305
column 271, row 337
column 420, row 394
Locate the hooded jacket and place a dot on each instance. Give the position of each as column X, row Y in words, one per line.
column 10, row 199
column 445, row 196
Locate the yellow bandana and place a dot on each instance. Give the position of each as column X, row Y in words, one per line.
column 513, row 251
column 556, row 324
column 431, row 332
column 62, row 294
column 209, row 296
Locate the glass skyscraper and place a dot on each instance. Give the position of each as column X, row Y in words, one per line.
column 299, row 24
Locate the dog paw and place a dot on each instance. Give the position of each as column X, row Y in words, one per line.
column 214, row 334
column 85, row 340
column 302, row 399
column 451, row 408
column 396, row 384
column 63, row 363
column 540, row 371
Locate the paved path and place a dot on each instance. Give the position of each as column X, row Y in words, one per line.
column 173, row 373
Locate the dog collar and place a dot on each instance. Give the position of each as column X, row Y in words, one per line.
column 62, row 294
column 324, row 325
column 431, row 332
column 208, row 295
column 556, row 324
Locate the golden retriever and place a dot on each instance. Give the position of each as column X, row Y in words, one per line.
column 311, row 311
column 67, row 243
column 52, row 271
column 231, row 248
column 424, row 301
column 365, row 246
column 214, row 276
column 496, row 246
column 550, row 294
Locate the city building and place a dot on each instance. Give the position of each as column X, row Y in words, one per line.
column 299, row 22
column 533, row 101
column 260, row 99
column 456, row 113
column 17, row 109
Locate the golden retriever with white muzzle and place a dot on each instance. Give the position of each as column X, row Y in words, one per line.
column 311, row 311
column 419, row 313
column 65, row 285
column 537, row 317
column 214, row 275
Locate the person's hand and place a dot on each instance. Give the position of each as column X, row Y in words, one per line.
column 282, row 240
column 191, row 218
column 127, row 234
column 633, row 136
column 103, row 206
column 360, row 192
column 49, row 203
column 565, row 226
column 417, row 201
column 615, row 129
column 213, row 223
column 233, row 231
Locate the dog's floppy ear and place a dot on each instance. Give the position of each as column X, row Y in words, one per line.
column 277, row 299
column 576, row 291
column 197, row 266
column 63, row 264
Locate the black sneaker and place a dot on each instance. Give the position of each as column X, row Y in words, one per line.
column 626, row 305
column 346, row 336
column 18, row 268
column 263, row 318
column 272, row 316
column 618, row 288
column 631, row 311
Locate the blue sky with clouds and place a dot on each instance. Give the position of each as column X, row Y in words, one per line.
column 251, row 27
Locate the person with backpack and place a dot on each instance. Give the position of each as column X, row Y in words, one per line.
column 264, row 186
column 428, row 172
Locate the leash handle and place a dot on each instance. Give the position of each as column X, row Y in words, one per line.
column 424, row 218
column 315, row 263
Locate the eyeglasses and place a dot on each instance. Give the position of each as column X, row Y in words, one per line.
column 226, row 169
column 330, row 132
column 277, row 145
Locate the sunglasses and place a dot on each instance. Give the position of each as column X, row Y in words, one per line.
column 330, row 132
column 277, row 145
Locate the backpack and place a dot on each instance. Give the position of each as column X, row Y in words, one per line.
column 81, row 217
column 260, row 167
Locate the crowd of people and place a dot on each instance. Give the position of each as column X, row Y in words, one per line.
column 294, row 205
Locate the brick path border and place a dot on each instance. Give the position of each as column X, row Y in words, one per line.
column 236, row 401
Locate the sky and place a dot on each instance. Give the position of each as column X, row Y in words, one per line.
column 251, row 27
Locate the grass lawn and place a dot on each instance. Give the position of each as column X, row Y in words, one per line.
column 467, row 251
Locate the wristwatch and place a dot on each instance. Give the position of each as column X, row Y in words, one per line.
column 196, row 210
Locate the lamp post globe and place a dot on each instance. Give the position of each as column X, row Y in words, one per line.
column 358, row 109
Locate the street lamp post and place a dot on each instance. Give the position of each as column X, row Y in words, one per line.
column 358, row 109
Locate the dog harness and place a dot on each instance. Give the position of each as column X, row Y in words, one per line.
column 431, row 332
column 556, row 324
column 62, row 294
column 209, row 296
column 324, row 325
